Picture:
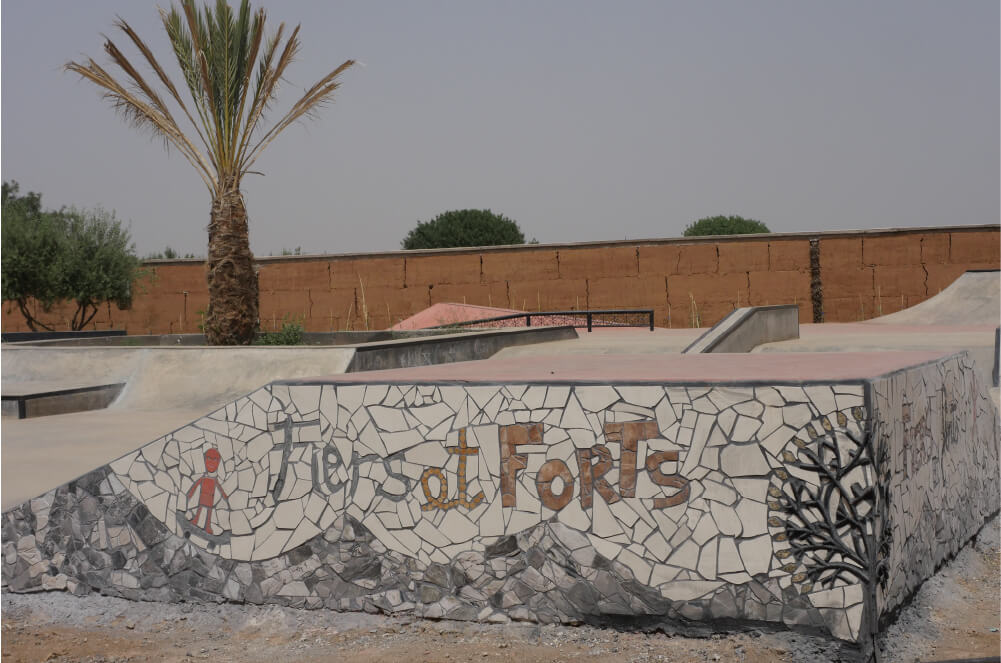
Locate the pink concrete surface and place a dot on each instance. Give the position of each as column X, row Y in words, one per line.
column 444, row 314
column 867, row 327
column 775, row 368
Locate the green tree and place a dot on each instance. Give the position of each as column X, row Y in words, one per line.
column 99, row 264
column 78, row 255
column 217, row 51
column 725, row 225
column 466, row 227
column 32, row 244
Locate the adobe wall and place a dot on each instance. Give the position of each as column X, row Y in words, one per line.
column 855, row 276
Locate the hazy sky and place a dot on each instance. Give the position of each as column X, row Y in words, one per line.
column 580, row 120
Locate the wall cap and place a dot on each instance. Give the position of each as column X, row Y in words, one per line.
column 705, row 239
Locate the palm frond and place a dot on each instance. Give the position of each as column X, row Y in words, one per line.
column 161, row 74
column 143, row 116
column 318, row 95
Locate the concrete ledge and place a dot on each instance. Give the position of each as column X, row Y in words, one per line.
column 448, row 348
column 746, row 328
column 698, row 505
column 120, row 340
column 21, row 337
column 25, row 404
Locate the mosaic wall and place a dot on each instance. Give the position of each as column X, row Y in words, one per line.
column 939, row 428
column 541, row 502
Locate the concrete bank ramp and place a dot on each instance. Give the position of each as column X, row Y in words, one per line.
column 172, row 378
column 972, row 299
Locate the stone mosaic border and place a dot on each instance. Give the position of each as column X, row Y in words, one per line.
column 570, row 503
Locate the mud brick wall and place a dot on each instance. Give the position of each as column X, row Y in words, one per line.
column 847, row 277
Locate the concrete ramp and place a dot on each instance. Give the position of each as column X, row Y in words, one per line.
column 746, row 328
column 974, row 298
column 172, row 378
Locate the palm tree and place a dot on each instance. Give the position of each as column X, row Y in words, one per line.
column 217, row 52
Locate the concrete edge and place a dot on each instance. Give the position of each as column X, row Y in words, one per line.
column 61, row 401
column 448, row 348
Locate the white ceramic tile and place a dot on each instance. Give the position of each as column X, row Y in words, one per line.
column 520, row 521
column 663, row 574
column 685, row 556
column 796, row 416
column 640, row 567
column 726, row 519
column 822, row 398
column 306, row 398
column 704, row 405
column 388, row 418
column 705, row 529
column 743, row 460
column 707, row 559
column 596, row 398
column 270, row 546
column 573, row 415
column 657, row 545
column 457, row 527
column 775, row 442
column 769, row 396
column 753, row 517
column 756, row 553
column 745, row 429
column 432, row 415
column 301, row 535
column 606, row 548
column 643, row 396
column 350, row 397
column 718, row 492
column 728, row 558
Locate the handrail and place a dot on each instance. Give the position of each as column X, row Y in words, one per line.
column 588, row 315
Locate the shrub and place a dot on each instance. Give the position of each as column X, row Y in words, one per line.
column 466, row 227
column 725, row 225
column 290, row 334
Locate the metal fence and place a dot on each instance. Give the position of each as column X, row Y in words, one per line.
column 589, row 319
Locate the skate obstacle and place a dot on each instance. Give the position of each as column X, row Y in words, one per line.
column 694, row 492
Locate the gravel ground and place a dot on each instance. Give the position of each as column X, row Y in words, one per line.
column 954, row 615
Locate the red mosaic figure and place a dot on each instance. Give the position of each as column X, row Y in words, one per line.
column 206, row 498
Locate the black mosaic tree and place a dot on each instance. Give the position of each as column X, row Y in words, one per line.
column 836, row 527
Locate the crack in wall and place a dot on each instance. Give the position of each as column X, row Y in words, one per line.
column 816, row 282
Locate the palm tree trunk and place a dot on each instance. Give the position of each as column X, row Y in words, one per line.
column 232, row 316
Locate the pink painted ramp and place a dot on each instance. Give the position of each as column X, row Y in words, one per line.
column 446, row 314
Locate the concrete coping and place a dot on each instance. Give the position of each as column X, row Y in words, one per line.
column 694, row 369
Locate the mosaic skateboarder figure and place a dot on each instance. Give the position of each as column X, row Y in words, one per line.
column 206, row 498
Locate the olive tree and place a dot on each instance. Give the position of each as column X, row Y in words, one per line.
column 82, row 256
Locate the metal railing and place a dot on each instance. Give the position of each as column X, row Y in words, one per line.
column 589, row 319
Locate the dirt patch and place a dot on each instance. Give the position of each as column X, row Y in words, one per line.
column 954, row 615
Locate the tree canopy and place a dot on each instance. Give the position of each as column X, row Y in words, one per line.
column 466, row 227
column 725, row 225
column 84, row 256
